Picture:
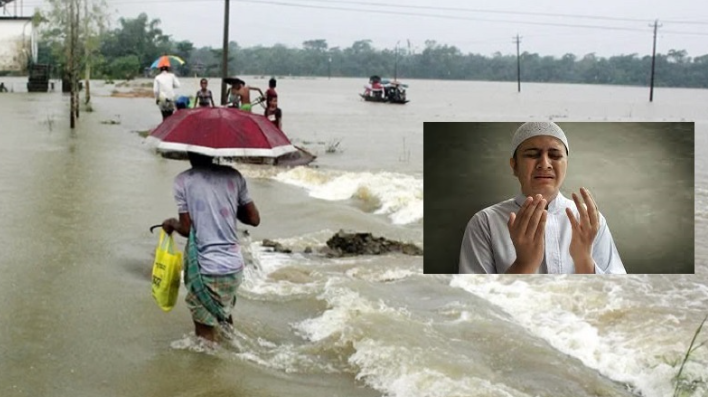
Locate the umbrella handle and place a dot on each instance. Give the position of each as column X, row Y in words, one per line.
column 155, row 227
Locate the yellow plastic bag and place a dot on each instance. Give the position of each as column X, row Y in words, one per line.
column 165, row 272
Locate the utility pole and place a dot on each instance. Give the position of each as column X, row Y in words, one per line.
column 329, row 68
column 76, row 79
column 72, row 69
column 653, row 59
column 395, row 65
column 517, row 41
column 87, row 21
column 225, row 58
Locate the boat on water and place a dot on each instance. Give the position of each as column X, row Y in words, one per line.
column 385, row 91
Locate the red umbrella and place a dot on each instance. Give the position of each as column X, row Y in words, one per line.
column 221, row 132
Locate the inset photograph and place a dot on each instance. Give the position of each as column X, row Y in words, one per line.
column 563, row 198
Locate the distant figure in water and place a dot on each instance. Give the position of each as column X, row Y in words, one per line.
column 2, row 87
column 210, row 199
column 540, row 231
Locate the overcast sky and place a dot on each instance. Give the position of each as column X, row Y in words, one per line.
column 482, row 27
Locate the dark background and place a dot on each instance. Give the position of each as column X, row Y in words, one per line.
column 640, row 174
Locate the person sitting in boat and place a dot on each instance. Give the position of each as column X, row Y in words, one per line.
column 377, row 89
column 273, row 112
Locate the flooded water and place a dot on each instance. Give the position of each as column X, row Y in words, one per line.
column 78, row 318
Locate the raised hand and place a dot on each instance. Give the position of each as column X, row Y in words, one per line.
column 585, row 229
column 527, row 230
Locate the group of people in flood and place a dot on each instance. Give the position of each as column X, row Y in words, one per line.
column 239, row 96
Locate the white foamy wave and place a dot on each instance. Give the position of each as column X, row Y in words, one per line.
column 597, row 322
column 398, row 363
column 388, row 275
column 400, row 371
column 345, row 306
column 288, row 358
column 195, row 344
column 272, row 274
column 399, row 196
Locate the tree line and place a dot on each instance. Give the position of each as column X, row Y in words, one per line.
column 125, row 52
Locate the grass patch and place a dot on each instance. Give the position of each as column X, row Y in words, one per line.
column 684, row 386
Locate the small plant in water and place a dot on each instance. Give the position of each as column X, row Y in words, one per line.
column 405, row 156
column 333, row 146
column 50, row 122
column 684, row 386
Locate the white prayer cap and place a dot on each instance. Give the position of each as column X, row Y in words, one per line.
column 532, row 129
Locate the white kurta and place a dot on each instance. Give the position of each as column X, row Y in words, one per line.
column 487, row 245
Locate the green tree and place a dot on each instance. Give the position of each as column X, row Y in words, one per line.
column 140, row 37
column 125, row 67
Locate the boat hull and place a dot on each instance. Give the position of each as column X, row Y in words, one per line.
column 368, row 98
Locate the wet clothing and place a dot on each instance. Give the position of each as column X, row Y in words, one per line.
column 164, row 89
column 487, row 246
column 164, row 86
column 167, row 108
column 274, row 116
column 221, row 289
column 166, row 114
column 204, row 98
column 212, row 196
column 270, row 93
column 210, row 299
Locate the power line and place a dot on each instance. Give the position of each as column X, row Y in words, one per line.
column 439, row 16
column 399, row 6
column 460, row 9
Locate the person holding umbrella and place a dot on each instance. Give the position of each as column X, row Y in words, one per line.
column 164, row 88
column 210, row 199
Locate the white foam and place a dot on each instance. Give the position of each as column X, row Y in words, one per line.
column 399, row 196
column 288, row 358
column 259, row 285
column 400, row 371
column 387, row 275
column 386, row 362
column 587, row 319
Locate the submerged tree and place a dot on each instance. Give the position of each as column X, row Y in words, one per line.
column 57, row 24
